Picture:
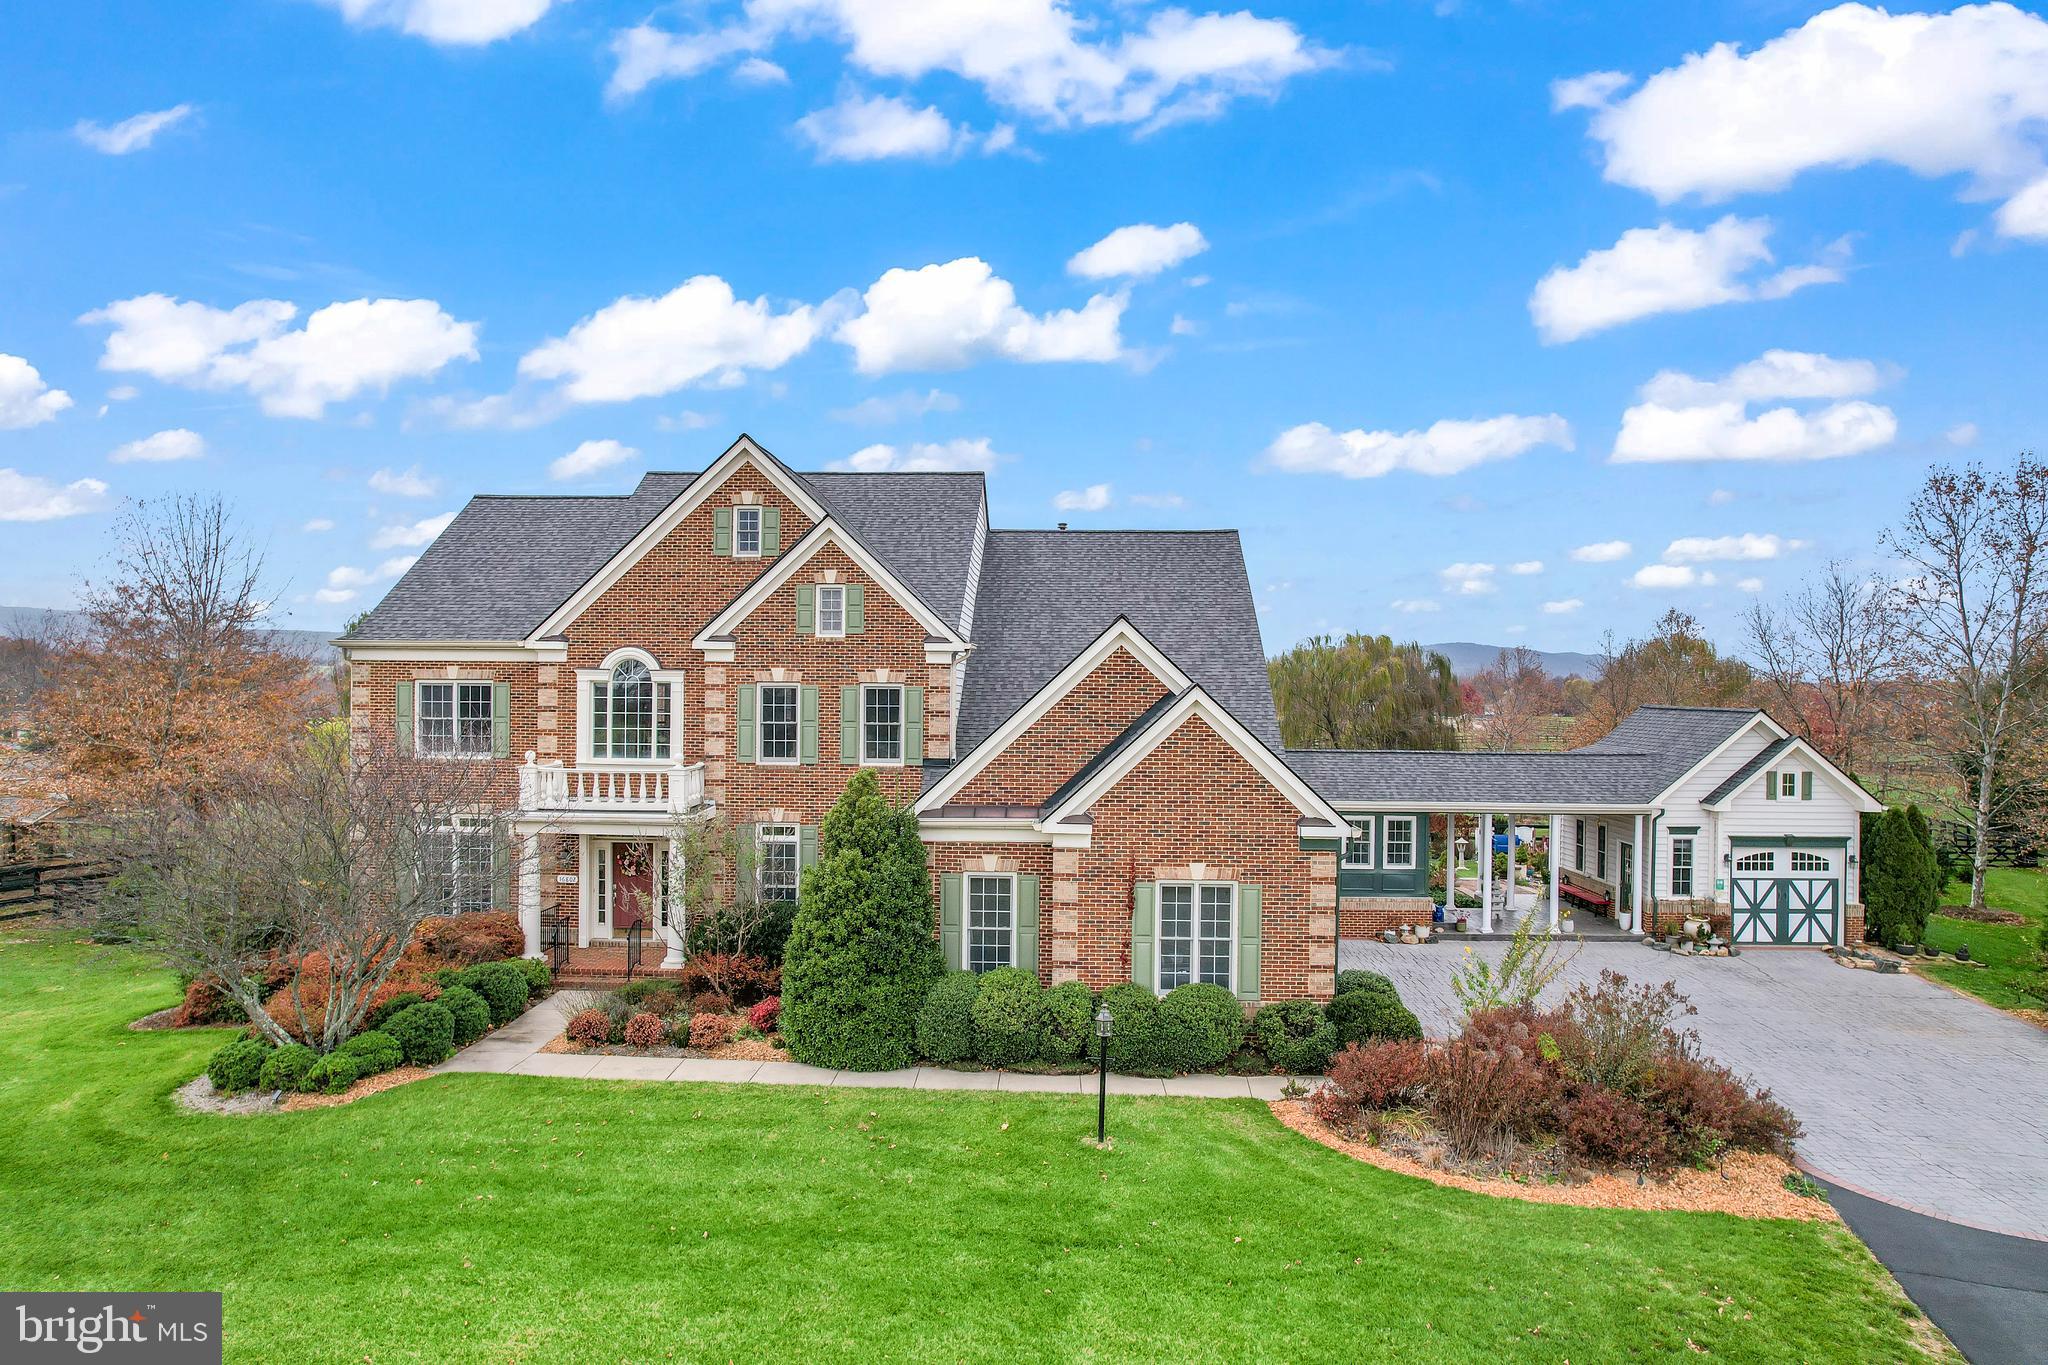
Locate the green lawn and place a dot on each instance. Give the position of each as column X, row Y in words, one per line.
column 518, row 1219
column 2012, row 950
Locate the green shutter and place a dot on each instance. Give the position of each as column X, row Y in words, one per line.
column 402, row 710
column 743, row 743
column 806, row 609
column 1248, row 908
column 1770, row 786
column 952, row 891
column 806, row 846
column 501, row 865
column 849, row 725
column 856, row 608
column 1144, row 898
column 913, row 725
column 721, row 531
column 771, row 530
column 1806, row 786
column 1027, row 922
column 807, row 724
column 501, row 720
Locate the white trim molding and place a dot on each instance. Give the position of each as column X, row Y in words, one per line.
column 671, row 678
column 1853, row 790
column 453, row 651
column 1779, row 731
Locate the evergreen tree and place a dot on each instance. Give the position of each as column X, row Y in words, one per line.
column 861, row 957
column 1898, row 880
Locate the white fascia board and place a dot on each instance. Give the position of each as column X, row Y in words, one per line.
column 1484, row 807
column 689, row 500
column 455, row 651
column 1849, row 787
column 1120, row 634
column 967, row 830
column 785, row 568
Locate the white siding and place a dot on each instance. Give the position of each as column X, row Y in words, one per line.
column 1683, row 808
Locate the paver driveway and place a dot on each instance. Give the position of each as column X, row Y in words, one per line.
column 1906, row 1090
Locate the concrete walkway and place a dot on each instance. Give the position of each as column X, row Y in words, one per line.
column 516, row 1050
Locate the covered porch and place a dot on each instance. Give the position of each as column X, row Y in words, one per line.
column 1593, row 882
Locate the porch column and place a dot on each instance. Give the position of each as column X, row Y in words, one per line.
column 1635, row 900
column 529, row 892
column 1484, row 853
column 672, row 907
column 1509, row 902
column 1556, row 904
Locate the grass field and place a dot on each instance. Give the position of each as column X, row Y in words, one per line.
column 508, row 1218
column 2011, row 950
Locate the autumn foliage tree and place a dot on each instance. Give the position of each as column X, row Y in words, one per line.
column 1675, row 665
column 1364, row 692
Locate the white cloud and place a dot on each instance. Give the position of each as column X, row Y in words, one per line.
column 1682, row 418
column 760, row 71
column 1747, row 546
column 1665, row 576
column 130, row 134
column 1468, row 580
column 318, row 525
column 25, row 400
column 1526, row 566
column 898, row 407
column 1668, row 269
column 877, row 128
column 454, row 23
column 2026, row 213
column 26, row 497
column 175, row 444
column 1750, row 584
column 411, row 536
column 1184, row 327
column 1563, row 606
column 944, row 316
column 1411, row 605
column 924, row 456
column 396, row 565
column 1720, row 497
column 344, row 349
column 1163, row 501
column 334, row 596
column 410, row 482
column 686, row 420
column 1961, row 434
column 1590, row 91
column 590, row 458
column 1447, row 447
column 1774, row 374
column 1963, row 93
column 121, row 393
column 1035, row 57
column 1139, row 250
column 1602, row 552
column 697, row 333
column 1093, row 498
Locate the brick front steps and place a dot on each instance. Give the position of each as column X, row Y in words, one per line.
column 605, row 968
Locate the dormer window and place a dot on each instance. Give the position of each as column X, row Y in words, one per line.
column 832, row 609
column 746, row 532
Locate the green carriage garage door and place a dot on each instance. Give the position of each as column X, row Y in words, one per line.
column 1786, row 895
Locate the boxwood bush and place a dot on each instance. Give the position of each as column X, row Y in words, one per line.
column 372, row 1052
column 1295, row 1036
column 239, row 1065
column 1367, row 1015
column 425, row 1032
column 539, row 979
column 472, row 1015
column 1348, row 982
column 1134, row 1036
column 502, row 985
column 945, row 1026
column 332, row 1074
column 376, row 1017
column 1007, row 1018
column 285, row 1068
column 1067, row 1022
column 1199, row 1026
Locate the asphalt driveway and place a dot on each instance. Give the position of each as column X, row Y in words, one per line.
column 1908, row 1091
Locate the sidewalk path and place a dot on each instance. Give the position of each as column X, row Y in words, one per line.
column 516, row 1050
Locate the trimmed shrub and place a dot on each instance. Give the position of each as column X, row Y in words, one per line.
column 764, row 937
column 1134, row 1031
column 286, row 1067
column 373, row 1052
column 591, row 1027
column 1200, row 1024
column 945, row 1026
column 425, row 1032
column 861, row 957
column 1367, row 1015
column 239, row 1065
column 472, row 1015
column 1369, row 1080
column 646, row 1030
column 1067, row 1022
column 1006, row 1017
column 334, row 1073
column 1348, row 982
column 1295, row 1036
column 743, row 977
column 503, row 987
column 385, row 1009
column 764, row 1014
column 710, row 1030
column 540, row 979
column 486, row 936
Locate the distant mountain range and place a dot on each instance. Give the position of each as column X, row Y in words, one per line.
column 1468, row 658
column 28, row 622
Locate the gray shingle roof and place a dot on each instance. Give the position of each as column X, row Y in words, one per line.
column 921, row 525
column 1747, row 771
column 1046, row 595
column 1680, row 735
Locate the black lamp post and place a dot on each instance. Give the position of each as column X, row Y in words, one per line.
column 1103, row 1023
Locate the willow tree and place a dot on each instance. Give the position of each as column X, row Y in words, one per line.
column 1364, row 692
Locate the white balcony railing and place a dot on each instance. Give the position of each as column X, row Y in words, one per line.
column 675, row 790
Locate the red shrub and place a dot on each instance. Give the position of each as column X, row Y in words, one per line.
column 710, row 1030
column 592, row 1028
column 766, row 1014
column 711, row 1002
column 205, row 1003
column 462, row 940
column 1482, row 1094
column 735, row 976
column 1367, row 1078
column 646, row 1030
column 1602, row 1127
column 1707, row 1107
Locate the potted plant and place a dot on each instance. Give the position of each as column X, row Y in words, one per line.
column 1694, row 926
column 1464, row 924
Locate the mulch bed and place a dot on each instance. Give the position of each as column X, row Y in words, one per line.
column 162, row 1019
column 1985, row 916
column 1754, row 1187
column 362, row 1089
column 739, row 1050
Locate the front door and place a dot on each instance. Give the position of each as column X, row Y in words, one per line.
column 624, row 889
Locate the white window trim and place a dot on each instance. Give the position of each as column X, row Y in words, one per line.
column 1692, row 869
column 1579, row 845
column 457, row 754
column 1599, row 852
column 1194, row 935
column 760, row 529
column 761, row 842
column 1371, row 847
column 453, row 831
column 761, row 709
column 1414, row 844
column 967, row 914
column 818, row 612
column 671, row 677
column 1788, row 785
column 901, row 699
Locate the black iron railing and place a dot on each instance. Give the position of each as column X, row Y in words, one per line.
column 558, row 946
column 633, row 938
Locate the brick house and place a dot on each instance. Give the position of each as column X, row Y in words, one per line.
column 1082, row 720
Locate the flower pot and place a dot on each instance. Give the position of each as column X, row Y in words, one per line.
column 1389, row 936
column 1962, row 952
column 1692, row 926
column 1464, row 924
column 1907, row 949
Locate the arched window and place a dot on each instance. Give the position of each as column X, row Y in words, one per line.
column 629, row 714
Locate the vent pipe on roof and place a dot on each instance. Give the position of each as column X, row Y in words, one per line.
column 1063, row 526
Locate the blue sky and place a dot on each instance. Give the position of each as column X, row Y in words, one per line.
column 1414, row 295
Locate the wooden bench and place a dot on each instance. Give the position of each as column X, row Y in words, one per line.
column 1592, row 900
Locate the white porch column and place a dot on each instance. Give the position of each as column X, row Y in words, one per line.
column 529, row 892
column 1556, row 904
column 672, row 907
column 1640, row 865
column 1509, row 902
column 1485, row 856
